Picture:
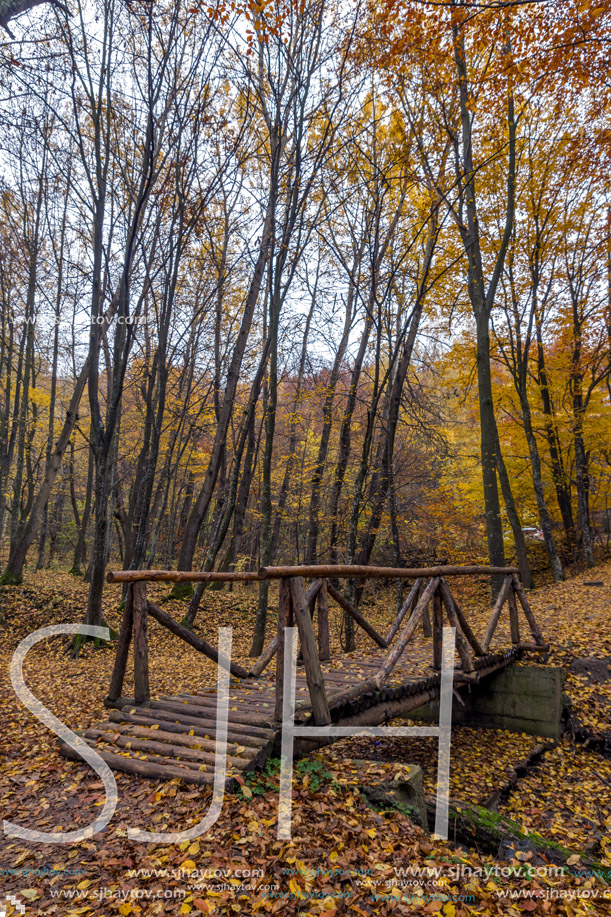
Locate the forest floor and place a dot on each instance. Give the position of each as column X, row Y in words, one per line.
column 344, row 857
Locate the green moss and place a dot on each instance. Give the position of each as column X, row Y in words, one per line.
column 479, row 816
column 79, row 640
column 181, row 591
column 8, row 578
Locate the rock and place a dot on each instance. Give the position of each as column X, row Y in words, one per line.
column 404, row 793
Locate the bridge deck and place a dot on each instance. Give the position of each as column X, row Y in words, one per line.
column 174, row 736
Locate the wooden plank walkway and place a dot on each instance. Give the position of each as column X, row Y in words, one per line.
column 178, row 732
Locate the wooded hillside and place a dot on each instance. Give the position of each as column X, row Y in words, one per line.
column 293, row 282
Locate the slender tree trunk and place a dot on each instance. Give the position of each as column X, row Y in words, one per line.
column 198, row 512
column 544, row 516
column 482, row 298
column 345, row 438
column 14, row 575
column 293, row 424
column 80, row 551
column 327, row 414
column 581, row 461
column 514, row 519
column 560, row 478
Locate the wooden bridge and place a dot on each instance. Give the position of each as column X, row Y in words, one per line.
column 174, row 735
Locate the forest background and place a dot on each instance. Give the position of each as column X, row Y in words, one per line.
column 299, row 282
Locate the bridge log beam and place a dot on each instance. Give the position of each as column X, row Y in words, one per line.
column 360, row 620
column 496, row 611
column 407, row 606
column 198, row 643
column 407, row 633
column 461, row 643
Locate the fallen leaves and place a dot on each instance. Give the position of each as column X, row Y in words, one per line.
column 344, row 856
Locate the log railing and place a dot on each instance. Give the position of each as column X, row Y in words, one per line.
column 298, row 606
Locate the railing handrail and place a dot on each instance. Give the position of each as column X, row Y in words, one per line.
column 348, row 571
column 341, row 571
column 178, row 576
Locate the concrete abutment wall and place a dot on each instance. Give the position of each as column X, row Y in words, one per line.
column 519, row 698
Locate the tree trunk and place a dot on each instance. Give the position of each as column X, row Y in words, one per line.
column 514, row 519
column 561, row 482
column 544, row 517
column 198, row 512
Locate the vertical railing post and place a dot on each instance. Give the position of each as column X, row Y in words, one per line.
column 324, row 649
column 141, row 648
column 496, row 611
column 514, row 623
column 285, row 617
column 311, row 660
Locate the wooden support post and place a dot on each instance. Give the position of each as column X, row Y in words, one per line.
column 437, row 630
column 534, row 627
column 496, row 612
column 406, row 634
column 514, row 622
column 141, row 649
column 461, row 643
column 285, row 619
column 125, row 639
column 311, row 661
column 360, row 620
column 427, row 627
column 408, row 605
column 324, row 649
column 311, row 595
